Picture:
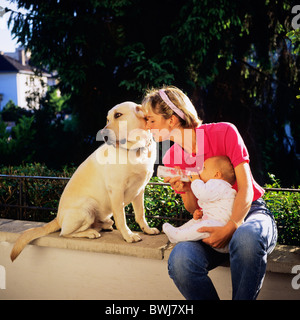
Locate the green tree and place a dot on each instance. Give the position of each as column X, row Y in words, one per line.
column 233, row 58
column 16, row 146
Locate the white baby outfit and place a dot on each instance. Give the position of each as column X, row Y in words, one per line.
column 216, row 198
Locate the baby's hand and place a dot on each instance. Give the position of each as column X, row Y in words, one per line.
column 193, row 176
column 198, row 214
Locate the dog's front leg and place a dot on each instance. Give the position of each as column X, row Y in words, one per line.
column 139, row 212
column 117, row 204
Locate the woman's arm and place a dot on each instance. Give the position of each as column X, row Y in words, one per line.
column 244, row 196
column 189, row 201
column 188, row 198
column 220, row 236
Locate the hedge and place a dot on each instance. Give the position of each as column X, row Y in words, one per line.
column 161, row 204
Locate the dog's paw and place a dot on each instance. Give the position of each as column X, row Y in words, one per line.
column 93, row 234
column 132, row 237
column 152, row 231
column 106, row 224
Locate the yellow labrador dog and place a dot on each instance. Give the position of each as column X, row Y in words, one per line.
column 109, row 179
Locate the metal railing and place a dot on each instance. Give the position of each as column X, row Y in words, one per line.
column 22, row 206
column 21, row 192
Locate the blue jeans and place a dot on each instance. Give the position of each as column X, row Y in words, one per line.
column 190, row 262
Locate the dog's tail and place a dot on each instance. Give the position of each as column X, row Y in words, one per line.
column 33, row 234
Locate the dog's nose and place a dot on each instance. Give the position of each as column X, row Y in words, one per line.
column 108, row 136
column 102, row 135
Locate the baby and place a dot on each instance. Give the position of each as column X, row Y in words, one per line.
column 215, row 196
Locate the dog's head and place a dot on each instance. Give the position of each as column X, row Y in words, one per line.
column 126, row 123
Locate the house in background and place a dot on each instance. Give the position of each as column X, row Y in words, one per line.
column 19, row 81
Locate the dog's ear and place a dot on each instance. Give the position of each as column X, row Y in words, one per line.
column 139, row 111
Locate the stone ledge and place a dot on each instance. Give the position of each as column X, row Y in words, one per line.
column 282, row 259
column 152, row 247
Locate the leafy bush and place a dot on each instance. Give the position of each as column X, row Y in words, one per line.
column 40, row 134
column 16, row 146
column 11, row 112
column 35, row 192
column 286, row 209
column 161, row 204
column 160, row 201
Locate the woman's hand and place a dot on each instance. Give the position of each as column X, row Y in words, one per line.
column 188, row 198
column 219, row 236
column 177, row 184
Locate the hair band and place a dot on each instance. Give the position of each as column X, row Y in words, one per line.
column 166, row 99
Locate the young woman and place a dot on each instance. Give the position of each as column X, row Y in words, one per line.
column 172, row 116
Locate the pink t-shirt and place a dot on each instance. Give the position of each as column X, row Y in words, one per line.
column 213, row 139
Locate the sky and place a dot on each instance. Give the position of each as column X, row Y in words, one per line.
column 7, row 44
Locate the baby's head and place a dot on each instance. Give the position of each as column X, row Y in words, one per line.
column 218, row 167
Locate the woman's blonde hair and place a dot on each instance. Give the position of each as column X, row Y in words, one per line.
column 154, row 102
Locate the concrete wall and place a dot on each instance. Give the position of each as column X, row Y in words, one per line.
column 51, row 273
column 110, row 269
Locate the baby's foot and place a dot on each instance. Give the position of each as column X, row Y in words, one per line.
column 170, row 231
column 188, row 224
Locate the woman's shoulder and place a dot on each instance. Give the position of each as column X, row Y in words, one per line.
column 217, row 126
column 174, row 152
column 213, row 131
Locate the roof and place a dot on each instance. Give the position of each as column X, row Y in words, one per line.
column 8, row 64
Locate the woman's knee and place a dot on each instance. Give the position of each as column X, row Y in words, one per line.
column 248, row 242
column 186, row 258
column 177, row 262
column 188, row 267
